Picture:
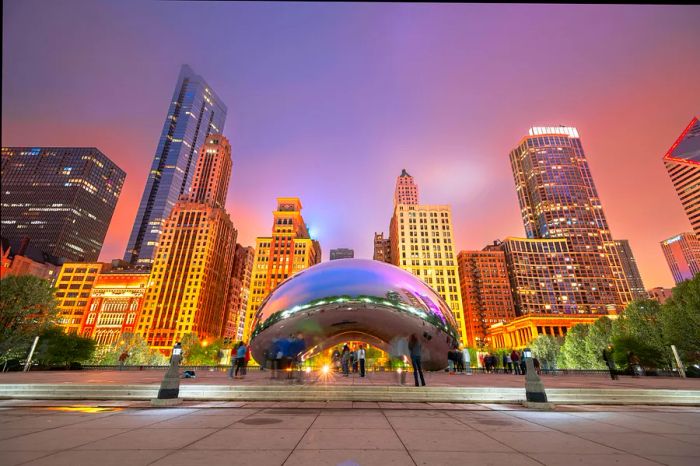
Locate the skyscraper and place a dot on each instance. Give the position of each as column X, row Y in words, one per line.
column 558, row 199
column 486, row 293
column 683, row 165
column 61, row 198
column 682, row 254
column 195, row 112
column 629, row 268
column 277, row 257
column 239, row 291
column 382, row 248
column 73, row 287
column 422, row 243
column 191, row 273
column 342, row 253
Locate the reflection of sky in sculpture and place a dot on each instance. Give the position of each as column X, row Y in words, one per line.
column 356, row 278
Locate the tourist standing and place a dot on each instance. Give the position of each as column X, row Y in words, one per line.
column 466, row 358
column 361, row 354
column 516, row 362
column 240, row 360
column 414, row 348
column 345, row 360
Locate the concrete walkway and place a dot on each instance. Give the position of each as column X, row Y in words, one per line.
column 344, row 433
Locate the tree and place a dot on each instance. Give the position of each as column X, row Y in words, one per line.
column 140, row 354
column 198, row 353
column 680, row 320
column 598, row 338
column 27, row 308
column 58, row 348
column 573, row 352
column 546, row 349
column 641, row 321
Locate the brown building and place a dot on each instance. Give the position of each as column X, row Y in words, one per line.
column 239, row 291
column 382, row 248
column 73, row 287
column 486, row 292
column 660, row 294
column 21, row 258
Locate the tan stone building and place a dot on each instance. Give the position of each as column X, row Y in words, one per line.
column 239, row 292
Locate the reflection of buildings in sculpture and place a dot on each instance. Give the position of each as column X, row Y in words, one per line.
column 682, row 254
column 518, row 333
column 114, row 306
column 486, row 292
column 660, row 294
column 21, row 258
column 191, row 273
column 73, row 287
column 558, row 199
column 382, row 248
column 630, row 270
column 342, row 253
column 289, row 250
column 683, row 165
column 239, row 291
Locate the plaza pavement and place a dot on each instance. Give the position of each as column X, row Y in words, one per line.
column 59, row 433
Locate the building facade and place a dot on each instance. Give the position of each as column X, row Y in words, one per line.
column 558, row 199
column 342, row 253
column 190, row 277
column 239, row 292
column 114, row 305
column 289, row 250
column 660, row 294
column 62, row 198
column 73, row 287
column 682, row 254
column 518, row 333
column 382, row 248
column 24, row 259
column 682, row 162
column 486, row 293
column 630, row 269
column 194, row 113
column 406, row 190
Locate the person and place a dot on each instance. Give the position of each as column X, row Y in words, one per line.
column 361, row 354
column 345, row 360
column 516, row 362
column 504, row 360
column 246, row 358
column 459, row 362
column 634, row 364
column 466, row 357
column 536, row 365
column 233, row 361
column 523, row 366
column 414, row 348
column 353, row 358
column 608, row 358
column 122, row 359
column 336, row 360
column 450, row 362
column 509, row 363
column 240, row 360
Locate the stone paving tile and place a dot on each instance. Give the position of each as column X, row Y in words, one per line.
column 568, row 459
column 250, row 439
column 352, row 439
column 691, row 420
column 12, row 458
column 449, row 440
column 56, row 439
column 351, row 422
column 676, row 460
column 427, row 423
column 274, row 421
column 43, row 422
column 502, row 424
column 643, row 443
column 461, row 458
column 348, row 458
column 552, row 441
column 365, row 404
column 94, row 457
column 635, row 422
column 414, row 413
column 693, row 438
column 351, row 412
column 197, row 421
column 225, row 458
column 10, row 433
column 124, row 422
column 149, row 439
column 226, row 411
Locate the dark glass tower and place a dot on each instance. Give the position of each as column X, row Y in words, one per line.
column 195, row 112
column 61, row 198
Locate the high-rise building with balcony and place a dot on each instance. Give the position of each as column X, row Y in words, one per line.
column 61, row 198
column 342, row 253
column 194, row 113
column 558, row 200
column 191, row 273
column 486, row 293
column 239, row 291
column 289, row 250
column 682, row 162
column 382, row 248
column 682, row 254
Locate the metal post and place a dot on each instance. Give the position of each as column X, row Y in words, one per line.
column 679, row 363
column 31, row 354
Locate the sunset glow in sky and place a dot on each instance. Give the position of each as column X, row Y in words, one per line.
column 328, row 102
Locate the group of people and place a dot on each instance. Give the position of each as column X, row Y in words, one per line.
column 459, row 361
column 284, row 354
column 350, row 358
column 240, row 355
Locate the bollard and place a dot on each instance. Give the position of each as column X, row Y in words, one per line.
column 168, row 394
column 535, row 395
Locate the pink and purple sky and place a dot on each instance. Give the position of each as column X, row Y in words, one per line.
column 328, row 102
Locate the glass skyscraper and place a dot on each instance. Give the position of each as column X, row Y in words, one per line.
column 683, row 165
column 195, row 111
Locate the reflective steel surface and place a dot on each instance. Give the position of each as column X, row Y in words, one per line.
column 356, row 299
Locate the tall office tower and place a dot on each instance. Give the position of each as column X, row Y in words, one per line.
column 277, row 257
column 61, row 198
column 629, row 268
column 382, row 248
column 73, row 287
column 406, row 191
column 342, row 253
column 239, row 291
column 682, row 254
column 191, row 273
column 558, row 199
column 486, row 294
column 683, row 165
column 195, row 112
column 114, row 306
column 422, row 243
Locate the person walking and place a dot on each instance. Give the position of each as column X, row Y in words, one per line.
column 414, row 348
column 608, row 358
column 240, row 360
column 361, row 354
column 345, row 360
column 122, row 359
column 466, row 358
column 515, row 358
column 246, row 358
column 233, row 360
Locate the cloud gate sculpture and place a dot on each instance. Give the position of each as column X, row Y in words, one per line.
column 356, row 300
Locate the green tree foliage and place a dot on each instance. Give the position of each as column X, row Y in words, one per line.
column 198, row 353
column 573, row 352
column 648, row 355
column 598, row 338
column 546, row 349
column 27, row 308
column 136, row 347
column 641, row 321
column 58, row 348
column 680, row 320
